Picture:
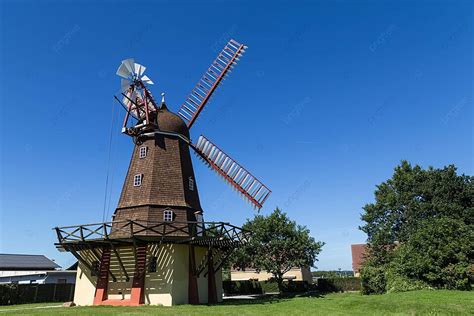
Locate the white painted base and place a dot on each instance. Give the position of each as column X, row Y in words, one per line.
column 168, row 286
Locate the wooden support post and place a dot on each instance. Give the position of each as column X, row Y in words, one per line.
column 54, row 292
column 36, row 293
column 137, row 296
column 103, row 279
column 211, row 279
column 193, row 292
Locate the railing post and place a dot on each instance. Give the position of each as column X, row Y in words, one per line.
column 58, row 233
column 104, row 226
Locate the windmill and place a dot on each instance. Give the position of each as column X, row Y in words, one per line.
column 139, row 103
column 158, row 249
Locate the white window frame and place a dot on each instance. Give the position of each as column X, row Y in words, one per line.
column 142, row 151
column 191, row 183
column 137, row 180
column 168, row 215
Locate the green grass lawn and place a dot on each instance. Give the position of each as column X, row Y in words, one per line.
column 408, row 303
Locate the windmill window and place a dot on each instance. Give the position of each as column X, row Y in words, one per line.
column 191, row 184
column 143, row 151
column 168, row 216
column 137, row 180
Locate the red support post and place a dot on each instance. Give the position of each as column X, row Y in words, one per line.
column 137, row 296
column 103, row 278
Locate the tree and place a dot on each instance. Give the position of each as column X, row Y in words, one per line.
column 417, row 216
column 277, row 245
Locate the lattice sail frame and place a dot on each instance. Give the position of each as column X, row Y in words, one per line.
column 219, row 69
column 236, row 175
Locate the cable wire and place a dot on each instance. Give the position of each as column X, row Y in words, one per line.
column 108, row 162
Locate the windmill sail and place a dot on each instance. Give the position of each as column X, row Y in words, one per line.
column 137, row 99
column 249, row 186
column 211, row 79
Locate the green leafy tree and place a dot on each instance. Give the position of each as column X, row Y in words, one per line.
column 422, row 211
column 277, row 245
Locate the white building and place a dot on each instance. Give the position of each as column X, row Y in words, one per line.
column 32, row 269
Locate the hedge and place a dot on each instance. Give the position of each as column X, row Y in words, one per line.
column 262, row 287
column 338, row 284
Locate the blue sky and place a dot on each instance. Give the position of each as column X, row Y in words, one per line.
column 329, row 97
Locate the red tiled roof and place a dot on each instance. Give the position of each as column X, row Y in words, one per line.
column 358, row 255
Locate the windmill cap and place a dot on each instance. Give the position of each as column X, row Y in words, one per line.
column 170, row 122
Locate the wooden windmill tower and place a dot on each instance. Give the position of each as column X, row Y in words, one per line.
column 158, row 249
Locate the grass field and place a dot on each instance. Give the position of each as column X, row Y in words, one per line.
column 408, row 303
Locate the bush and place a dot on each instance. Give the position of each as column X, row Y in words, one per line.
column 458, row 276
column 338, row 284
column 269, row 286
column 295, row 287
column 241, row 287
column 372, row 280
column 398, row 283
column 438, row 254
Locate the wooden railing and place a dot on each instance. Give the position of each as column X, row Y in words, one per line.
column 180, row 232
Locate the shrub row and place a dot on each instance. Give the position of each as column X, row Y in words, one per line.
column 338, row 284
column 262, row 287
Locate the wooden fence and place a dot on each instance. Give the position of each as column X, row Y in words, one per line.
column 35, row 293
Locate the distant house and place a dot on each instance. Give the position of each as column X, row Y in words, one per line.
column 295, row 274
column 359, row 252
column 32, row 269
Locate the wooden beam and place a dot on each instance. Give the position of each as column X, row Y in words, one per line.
column 81, row 260
column 120, row 262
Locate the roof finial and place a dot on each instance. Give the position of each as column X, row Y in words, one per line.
column 163, row 104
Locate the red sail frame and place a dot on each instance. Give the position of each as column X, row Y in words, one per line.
column 145, row 107
column 199, row 96
column 236, row 175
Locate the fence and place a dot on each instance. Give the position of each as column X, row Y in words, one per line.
column 35, row 293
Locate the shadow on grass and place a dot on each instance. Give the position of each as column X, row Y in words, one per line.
column 268, row 298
